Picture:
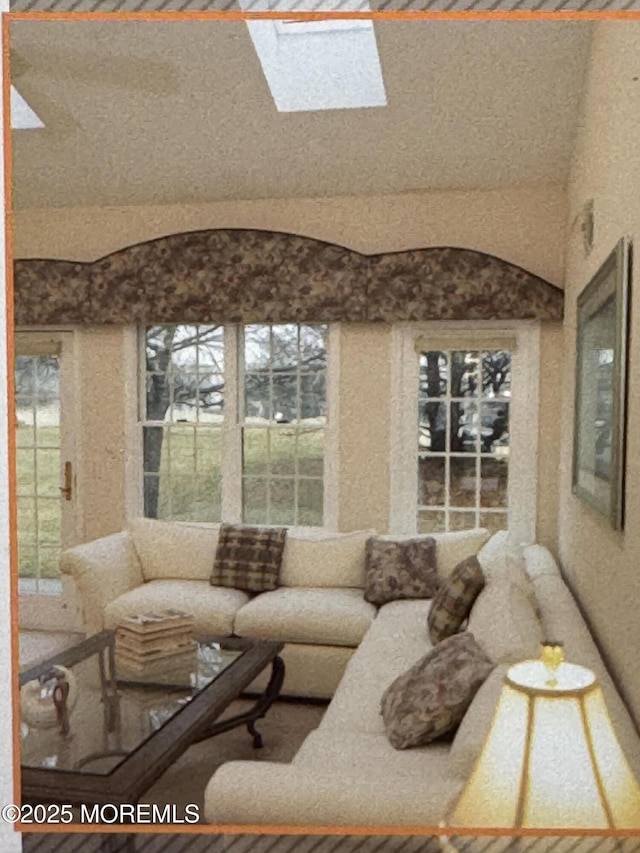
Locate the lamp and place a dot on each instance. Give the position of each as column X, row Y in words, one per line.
column 552, row 759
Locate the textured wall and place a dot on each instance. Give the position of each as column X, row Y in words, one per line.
column 602, row 564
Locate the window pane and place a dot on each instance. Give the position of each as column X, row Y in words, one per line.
column 431, row 473
column 255, row 451
column 464, row 374
column 49, row 518
column 282, row 499
column 430, row 521
column 311, row 453
column 496, row 373
column 494, row 521
column 254, row 500
column 462, row 520
column 464, row 428
column 432, row 427
column 310, row 498
column 434, row 372
column 257, row 396
column 285, row 398
column 493, row 484
column 283, row 452
column 312, row 395
column 462, row 482
column 495, row 426
column 27, row 561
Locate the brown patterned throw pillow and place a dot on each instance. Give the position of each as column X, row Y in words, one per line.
column 453, row 601
column 248, row 558
column 401, row 569
column 431, row 698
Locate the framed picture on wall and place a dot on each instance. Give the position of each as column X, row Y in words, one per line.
column 601, row 353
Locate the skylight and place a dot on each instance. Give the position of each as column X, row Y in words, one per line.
column 318, row 64
column 22, row 116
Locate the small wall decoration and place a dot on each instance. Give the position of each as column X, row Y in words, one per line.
column 601, row 351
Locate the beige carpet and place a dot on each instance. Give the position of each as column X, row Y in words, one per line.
column 36, row 646
column 283, row 730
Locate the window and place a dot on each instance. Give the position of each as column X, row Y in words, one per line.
column 182, row 432
column 464, row 427
column 463, row 439
column 283, row 424
column 234, row 422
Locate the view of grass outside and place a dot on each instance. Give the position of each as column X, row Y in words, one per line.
column 38, row 502
column 190, row 485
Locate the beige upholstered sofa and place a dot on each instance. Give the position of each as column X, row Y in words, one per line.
column 347, row 774
column 318, row 611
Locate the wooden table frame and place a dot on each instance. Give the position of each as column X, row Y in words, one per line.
column 194, row 722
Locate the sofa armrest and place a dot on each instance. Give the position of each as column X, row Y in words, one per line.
column 102, row 570
column 258, row 793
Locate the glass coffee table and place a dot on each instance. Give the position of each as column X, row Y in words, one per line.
column 123, row 735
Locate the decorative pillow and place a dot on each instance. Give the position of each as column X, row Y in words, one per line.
column 248, row 558
column 432, row 697
column 402, row 569
column 453, row 601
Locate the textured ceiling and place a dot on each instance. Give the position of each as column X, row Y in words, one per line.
column 164, row 112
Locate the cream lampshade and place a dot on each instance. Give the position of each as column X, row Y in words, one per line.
column 552, row 759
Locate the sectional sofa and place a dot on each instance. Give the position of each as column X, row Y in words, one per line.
column 347, row 773
column 341, row 647
column 318, row 611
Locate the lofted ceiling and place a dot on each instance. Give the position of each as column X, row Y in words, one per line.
column 170, row 112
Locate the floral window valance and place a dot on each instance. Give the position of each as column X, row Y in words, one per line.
column 249, row 276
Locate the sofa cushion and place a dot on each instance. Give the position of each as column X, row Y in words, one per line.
column 431, row 698
column 168, row 549
column 397, row 570
column 323, row 559
column 248, row 558
column 454, row 599
column 335, row 617
column 539, row 561
column 505, row 624
column 212, row 608
column 356, row 782
column 394, row 642
column 454, row 547
column 502, row 560
column 476, row 723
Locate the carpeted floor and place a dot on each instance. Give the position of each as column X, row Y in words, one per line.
column 283, row 729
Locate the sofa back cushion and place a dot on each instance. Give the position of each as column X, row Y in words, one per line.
column 539, row 562
column 504, row 622
column 170, row 550
column 452, row 548
column 323, row 559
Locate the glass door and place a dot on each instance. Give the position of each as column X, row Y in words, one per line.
column 45, row 477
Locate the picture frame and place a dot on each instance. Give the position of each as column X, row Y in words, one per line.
column 601, row 379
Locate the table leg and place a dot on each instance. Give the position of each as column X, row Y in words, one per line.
column 260, row 708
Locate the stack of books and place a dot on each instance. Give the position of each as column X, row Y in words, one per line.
column 156, row 647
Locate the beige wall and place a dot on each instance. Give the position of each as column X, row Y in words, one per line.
column 550, row 398
column 602, row 565
column 524, row 226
